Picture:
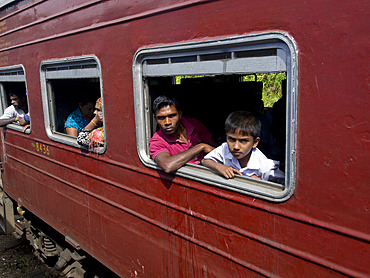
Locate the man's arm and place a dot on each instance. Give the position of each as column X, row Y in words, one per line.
column 170, row 163
column 4, row 122
column 26, row 127
column 227, row 171
column 24, row 123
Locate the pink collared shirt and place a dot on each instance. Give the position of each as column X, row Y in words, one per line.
column 196, row 131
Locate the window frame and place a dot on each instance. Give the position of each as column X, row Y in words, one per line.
column 262, row 189
column 4, row 101
column 47, row 73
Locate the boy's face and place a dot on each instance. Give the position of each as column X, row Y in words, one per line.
column 240, row 145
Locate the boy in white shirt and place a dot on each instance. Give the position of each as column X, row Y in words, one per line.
column 239, row 154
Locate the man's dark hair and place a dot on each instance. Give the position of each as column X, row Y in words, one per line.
column 163, row 101
column 18, row 94
column 246, row 122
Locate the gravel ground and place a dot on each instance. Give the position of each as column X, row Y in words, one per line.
column 18, row 261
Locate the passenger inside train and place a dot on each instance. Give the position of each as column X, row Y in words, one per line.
column 92, row 135
column 211, row 99
column 239, row 154
column 179, row 140
column 80, row 117
column 16, row 110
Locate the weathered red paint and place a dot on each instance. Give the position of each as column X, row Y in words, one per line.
column 131, row 218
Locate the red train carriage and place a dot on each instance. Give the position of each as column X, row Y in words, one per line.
column 117, row 206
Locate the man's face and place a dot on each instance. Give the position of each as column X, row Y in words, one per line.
column 168, row 119
column 240, row 145
column 16, row 101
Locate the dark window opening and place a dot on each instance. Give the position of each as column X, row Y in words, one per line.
column 256, row 53
column 18, row 88
column 211, row 99
column 65, row 84
column 66, row 95
column 13, row 82
column 217, row 56
column 184, row 59
column 157, row 61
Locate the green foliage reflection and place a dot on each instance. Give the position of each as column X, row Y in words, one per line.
column 272, row 90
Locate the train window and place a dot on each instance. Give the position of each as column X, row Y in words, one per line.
column 212, row 79
column 68, row 84
column 13, row 80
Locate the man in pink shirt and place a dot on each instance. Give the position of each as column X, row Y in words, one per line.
column 179, row 140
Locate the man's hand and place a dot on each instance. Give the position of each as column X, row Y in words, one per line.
column 26, row 127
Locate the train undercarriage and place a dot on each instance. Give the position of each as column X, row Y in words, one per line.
column 66, row 259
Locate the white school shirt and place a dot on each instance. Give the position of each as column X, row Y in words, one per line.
column 258, row 163
column 11, row 112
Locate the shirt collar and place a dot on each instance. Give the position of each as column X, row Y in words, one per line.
column 79, row 112
column 252, row 163
column 231, row 158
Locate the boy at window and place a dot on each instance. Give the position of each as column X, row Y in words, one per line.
column 178, row 140
column 16, row 110
column 239, row 154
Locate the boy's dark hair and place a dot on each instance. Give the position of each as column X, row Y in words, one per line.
column 163, row 101
column 246, row 122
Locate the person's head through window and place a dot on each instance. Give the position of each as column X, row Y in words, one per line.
column 80, row 117
column 167, row 114
column 92, row 135
column 87, row 107
column 242, row 135
column 19, row 100
column 98, row 112
column 239, row 155
column 179, row 140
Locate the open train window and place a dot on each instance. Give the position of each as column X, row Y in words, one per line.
column 68, row 84
column 212, row 79
column 13, row 81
